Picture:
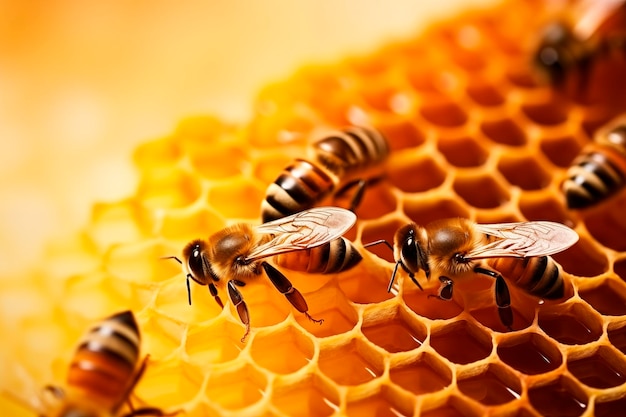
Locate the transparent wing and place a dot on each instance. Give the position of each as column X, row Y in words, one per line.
column 592, row 14
column 304, row 230
column 524, row 239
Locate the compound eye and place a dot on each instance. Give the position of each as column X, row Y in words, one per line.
column 409, row 252
column 195, row 262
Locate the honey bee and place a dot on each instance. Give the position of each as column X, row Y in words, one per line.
column 236, row 254
column 453, row 249
column 102, row 373
column 600, row 170
column 569, row 51
column 338, row 162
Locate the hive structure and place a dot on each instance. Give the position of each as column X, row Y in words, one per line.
column 473, row 135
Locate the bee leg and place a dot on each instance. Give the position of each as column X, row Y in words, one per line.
column 283, row 285
column 445, row 290
column 503, row 297
column 215, row 296
column 240, row 304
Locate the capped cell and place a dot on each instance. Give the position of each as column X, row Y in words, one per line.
column 446, row 340
column 530, row 353
column 496, row 385
column 282, row 351
column 573, row 324
column 237, row 387
column 562, row 397
column 352, row 363
column 423, row 374
column 311, row 396
column 605, row 368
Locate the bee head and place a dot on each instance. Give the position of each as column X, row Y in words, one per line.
column 409, row 251
column 552, row 57
column 197, row 263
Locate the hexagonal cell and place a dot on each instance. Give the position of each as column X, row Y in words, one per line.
column 267, row 168
column 387, row 98
column 619, row 267
column 550, row 113
column 607, row 226
column 168, row 189
column 610, row 408
column 617, row 336
column 430, row 82
column 573, row 324
column 423, row 374
column 504, row 131
column 595, row 260
column 485, row 94
column 311, row 396
column 384, row 403
column 140, row 262
column 237, row 387
column 607, row 298
column 113, row 223
column 543, row 206
column 367, row 282
column 160, row 335
column 494, row 386
column 157, row 154
column 453, row 406
column 172, row 300
column 393, row 329
column 227, row 198
column 282, row 351
column 266, row 306
column 415, row 173
column 328, row 304
column 401, row 133
column 352, row 363
column 561, row 151
column 530, row 353
column 524, row 171
column 219, row 161
column 445, row 114
column 489, row 316
column 425, row 211
column 223, row 345
column 562, row 397
column 188, row 224
column 378, row 200
column 169, row 383
column 430, row 307
column 481, row 190
column 469, row 60
column 463, row 151
column 604, row 369
column 461, row 342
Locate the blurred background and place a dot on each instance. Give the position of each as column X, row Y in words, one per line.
column 82, row 83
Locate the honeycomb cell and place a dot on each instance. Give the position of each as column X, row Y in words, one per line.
column 521, row 78
column 485, row 94
column 413, row 175
column 539, row 206
column 140, row 262
column 453, row 406
column 169, row 383
column 575, row 324
column 607, row 227
column 223, row 345
column 609, row 408
column 446, row 340
column 583, row 259
column 266, row 306
column 488, row 316
column 211, row 164
column 282, row 351
column 330, row 305
column 550, row 113
column 430, row 307
column 379, row 199
column 494, row 386
column 384, row 403
column 561, row 151
column 608, row 298
column 311, row 396
column 268, row 167
column 619, row 267
column 171, row 299
column 530, row 353
column 444, row 114
column 401, row 133
column 364, row 286
column 421, row 375
column 524, row 171
column 185, row 225
column 113, row 223
column 504, row 131
column 364, row 363
column 603, row 369
column 430, row 82
column 463, row 151
column 562, row 397
column 159, row 154
column 160, row 335
column 393, row 330
column 388, row 98
column 227, row 198
column 423, row 211
column 617, row 337
column 236, row 387
column 481, row 191
column 168, row 190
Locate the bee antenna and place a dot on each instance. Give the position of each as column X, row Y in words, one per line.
column 172, row 257
column 378, row 242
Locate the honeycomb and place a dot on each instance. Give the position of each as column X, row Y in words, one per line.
column 473, row 134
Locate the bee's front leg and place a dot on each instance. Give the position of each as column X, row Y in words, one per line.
column 240, row 304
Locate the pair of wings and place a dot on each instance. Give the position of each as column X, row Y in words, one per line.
column 523, row 239
column 304, row 230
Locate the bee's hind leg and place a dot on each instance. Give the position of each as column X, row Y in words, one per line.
column 503, row 297
column 283, row 285
column 240, row 304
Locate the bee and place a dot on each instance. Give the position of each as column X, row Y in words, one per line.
column 232, row 256
column 569, row 51
column 456, row 248
column 102, row 374
column 338, row 162
column 600, row 170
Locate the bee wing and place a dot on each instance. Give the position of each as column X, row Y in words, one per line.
column 524, row 239
column 592, row 14
column 304, row 230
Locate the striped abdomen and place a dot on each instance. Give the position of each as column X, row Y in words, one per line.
column 104, row 363
column 333, row 257
column 539, row 276
column 593, row 177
